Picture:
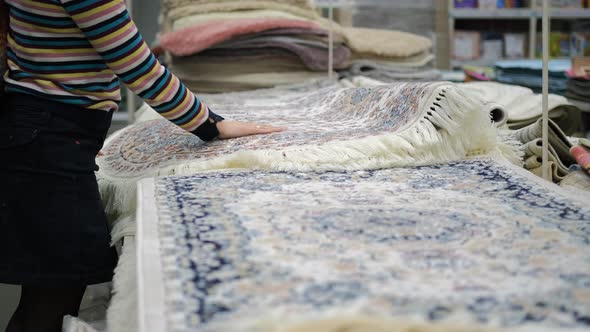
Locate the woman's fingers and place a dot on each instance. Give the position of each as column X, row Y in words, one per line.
column 233, row 129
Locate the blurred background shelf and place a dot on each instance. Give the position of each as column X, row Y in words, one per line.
column 483, row 25
column 479, row 62
column 464, row 13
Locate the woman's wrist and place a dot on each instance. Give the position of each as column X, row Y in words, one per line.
column 208, row 131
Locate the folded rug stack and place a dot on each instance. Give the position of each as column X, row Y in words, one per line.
column 529, row 73
column 231, row 45
column 390, row 56
column 222, row 46
column 578, row 87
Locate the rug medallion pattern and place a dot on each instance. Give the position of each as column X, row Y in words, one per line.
column 472, row 236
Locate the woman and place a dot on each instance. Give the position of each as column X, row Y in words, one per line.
column 64, row 58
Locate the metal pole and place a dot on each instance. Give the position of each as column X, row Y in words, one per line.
column 451, row 23
column 331, row 40
column 546, row 25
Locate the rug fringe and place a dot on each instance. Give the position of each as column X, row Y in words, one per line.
column 122, row 311
column 355, row 322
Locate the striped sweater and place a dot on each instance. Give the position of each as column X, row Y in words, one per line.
column 75, row 52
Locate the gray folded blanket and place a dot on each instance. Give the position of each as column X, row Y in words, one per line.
column 534, row 160
column 557, row 139
column 314, row 54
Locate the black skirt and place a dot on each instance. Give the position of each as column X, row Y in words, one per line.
column 53, row 228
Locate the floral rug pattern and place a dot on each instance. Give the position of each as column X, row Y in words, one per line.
column 475, row 236
column 311, row 118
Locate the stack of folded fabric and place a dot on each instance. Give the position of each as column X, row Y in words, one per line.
column 560, row 159
column 230, row 45
column 235, row 45
column 578, row 87
column 568, row 159
column 390, row 56
column 529, row 73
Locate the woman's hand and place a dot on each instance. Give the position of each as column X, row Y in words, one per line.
column 233, row 129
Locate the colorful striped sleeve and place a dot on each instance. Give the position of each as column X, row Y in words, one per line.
column 110, row 30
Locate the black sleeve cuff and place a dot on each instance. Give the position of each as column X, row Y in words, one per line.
column 207, row 131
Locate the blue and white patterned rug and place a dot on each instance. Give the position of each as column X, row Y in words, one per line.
column 329, row 129
column 220, row 251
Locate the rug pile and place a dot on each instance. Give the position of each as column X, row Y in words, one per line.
column 223, row 46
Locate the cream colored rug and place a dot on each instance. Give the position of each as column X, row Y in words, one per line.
column 329, row 129
column 385, row 43
column 257, row 251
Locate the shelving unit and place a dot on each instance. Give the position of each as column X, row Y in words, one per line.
column 478, row 62
column 533, row 15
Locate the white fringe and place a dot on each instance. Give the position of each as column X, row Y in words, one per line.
column 351, row 320
column 122, row 227
column 122, row 311
column 75, row 324
column 451, row 127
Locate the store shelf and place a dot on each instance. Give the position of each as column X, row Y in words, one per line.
column 491, row 63
column 566, row 13
column 499, row 14
column 334, row 3
column 531, row 14
column 478, row 62
column 466, row 13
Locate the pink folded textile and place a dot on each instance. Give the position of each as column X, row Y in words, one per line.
column 196, row 38
column 572, row 74
column 582, row 156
